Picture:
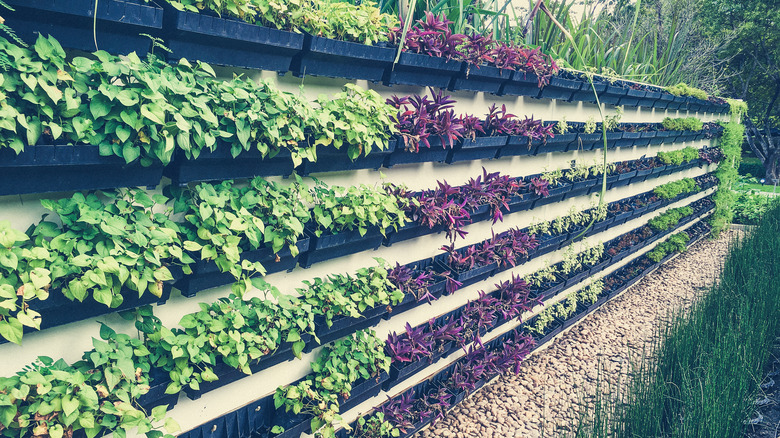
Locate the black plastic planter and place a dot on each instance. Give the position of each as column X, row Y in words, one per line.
column 248, row 421
column 552, row 330
column 613, row 94
column 522, row 84
column 229, row 42
column 400, row 371
column 679, row 103
column 422, row 70
column 227, row 374
column 586, row 92
column 581, row 187
column 632, row 97
column 330, row 159
column 206, row 274
column 628, row 139
column 330, row 246
column 58, row 310
column 481, row 148
column 342, row 59
column 555, row 194
column 221, row 165
column 363, row 390
column 650, row 99
column 344, row 325
column 411, row 230
column 158, row 383
column 576, row 279
column 293, row 425
column 561, row 88
column 522, row 202
column 410, row 301
column 470, row 276
column 119, row 23
column 548, row 243
column 436, row 153
column 559, row 143
column 485, row 78
column 519, row 145
column 664, row 101
column 44, row 168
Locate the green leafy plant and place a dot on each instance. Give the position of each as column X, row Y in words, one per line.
column 679, row 156
column 611, row 122
column 676, row 243
column 590, row 125
column 350, row 295
column 731, row 145
column 95, row 395
column 590, row 294
column 682, row 124
column 237, row 332
column 356, row 118
column 673, row 189
column 374, row 426
column 562, row 127
column 670, row 218
column 338, row 209
column 111, row 242
column 342, row 363
column 683, row 89
column 223, row 221
column 750, row 207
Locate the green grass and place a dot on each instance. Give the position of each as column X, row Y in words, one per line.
column 744, row 187
column 708, row 362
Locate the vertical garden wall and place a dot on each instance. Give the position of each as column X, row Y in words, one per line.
column 444, row 252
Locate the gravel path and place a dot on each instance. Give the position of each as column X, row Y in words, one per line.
column 551, row 383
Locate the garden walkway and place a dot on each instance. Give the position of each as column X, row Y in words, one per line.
column 554, row 380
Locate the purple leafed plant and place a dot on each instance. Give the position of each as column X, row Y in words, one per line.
column 411, row 346
column 477, row 49
column 515, row 298
column 431, row 36
column 434, row 404
column 471, row 125
column 540, row 187
column 399, row 411
column 413, row 282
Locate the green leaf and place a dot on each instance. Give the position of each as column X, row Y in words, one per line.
column 69, row 404
column 12, row 330
column 99, row 107
column 297, row 348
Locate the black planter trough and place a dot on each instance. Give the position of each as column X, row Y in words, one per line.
column 48, row 168
column 519, row 145
column 561, row 88
column 227, row 374
column 220, row 165
column 206, row 274
column 229, row 42
column 613, row 94
column 480, row 148
column 484, row 78
column 119, row 23
column 247, row 421
column 344, row 325
column 435, row 153
column 342, row 59
column 330, row 159
column 422, row 70
column 58, row 310
column 522, row 84
column 330, row 246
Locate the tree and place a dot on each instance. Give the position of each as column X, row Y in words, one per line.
column 748, row 31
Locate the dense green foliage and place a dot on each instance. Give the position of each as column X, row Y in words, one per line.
column 731, row 145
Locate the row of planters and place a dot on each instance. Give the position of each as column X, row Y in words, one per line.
column 82, row 131
column 229, row 234
column 429, row 401
column 167, row 361
column 425, row 344
column 574, row 307
column 353, row 42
